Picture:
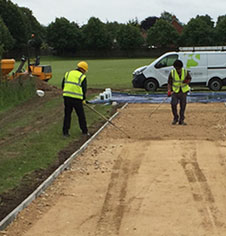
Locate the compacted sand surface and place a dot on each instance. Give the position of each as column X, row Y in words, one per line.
column 164, row 181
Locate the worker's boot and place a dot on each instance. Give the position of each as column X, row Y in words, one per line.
column 174, row 122
column 66, row 134
column 87, row 134
column 181, row 122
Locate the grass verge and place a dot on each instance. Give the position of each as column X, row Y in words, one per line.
column 40, row 141
column 13, row 92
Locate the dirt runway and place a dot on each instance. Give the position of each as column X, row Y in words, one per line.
column 164, row 181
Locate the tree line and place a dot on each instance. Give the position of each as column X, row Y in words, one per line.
column 17, row 24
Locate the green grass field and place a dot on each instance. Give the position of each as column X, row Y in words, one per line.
column 102, row 73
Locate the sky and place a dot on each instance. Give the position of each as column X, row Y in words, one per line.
column 122, row 11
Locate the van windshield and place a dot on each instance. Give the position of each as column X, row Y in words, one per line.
column 166, row 61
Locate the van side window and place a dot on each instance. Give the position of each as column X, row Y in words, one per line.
column 166, row 61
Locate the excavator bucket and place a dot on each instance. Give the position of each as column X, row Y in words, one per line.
column 7, row 65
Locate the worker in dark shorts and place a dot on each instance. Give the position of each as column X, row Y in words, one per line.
column 74, row 87
column 178, row 87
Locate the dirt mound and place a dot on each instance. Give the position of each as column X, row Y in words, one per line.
column 44, row 85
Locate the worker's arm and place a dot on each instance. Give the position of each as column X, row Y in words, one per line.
column 188, row 78
column 170, row 82
column 62, row 84
column 84, row 88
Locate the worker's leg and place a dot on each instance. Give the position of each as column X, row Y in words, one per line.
column 81, row 116
column 183, row 102
column 174, row 102
column 68, row 107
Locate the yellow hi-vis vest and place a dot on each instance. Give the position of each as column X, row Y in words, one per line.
column 73, row 84
column 178, row 82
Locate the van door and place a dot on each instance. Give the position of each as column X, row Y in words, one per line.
column 196, row 64
column 163, row 68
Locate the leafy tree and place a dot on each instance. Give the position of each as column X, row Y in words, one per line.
column 134, row 22
column 1, row 52
column 206, row 19
column 168, row 16
column 162, row 34
column 199, row 31
column 112, row 29
column 96, row 35
column 220, row 18
column 220, row 30
column 6, row 39
column 129, row 37
column 148, row 22
column 34, row 27
column 63, row 36
column 15, row 21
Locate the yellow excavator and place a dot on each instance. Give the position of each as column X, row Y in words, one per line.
column 44, row 72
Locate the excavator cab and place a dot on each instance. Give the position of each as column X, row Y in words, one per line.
column 44, row 72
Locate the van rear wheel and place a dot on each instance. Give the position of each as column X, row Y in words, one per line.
column 215, row 84
column 151, row 85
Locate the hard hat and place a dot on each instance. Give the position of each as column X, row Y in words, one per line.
column 83, row 65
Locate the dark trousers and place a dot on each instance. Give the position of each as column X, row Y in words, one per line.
column 69, row 104
column 176, row 98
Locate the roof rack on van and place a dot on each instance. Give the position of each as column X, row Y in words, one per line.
column 210, row 48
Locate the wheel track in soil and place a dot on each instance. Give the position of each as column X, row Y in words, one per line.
column 201, row 191
column 112, row 213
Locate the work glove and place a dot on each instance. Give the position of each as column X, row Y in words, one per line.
column 186, row 81
column 169, row 93
column 85, row 102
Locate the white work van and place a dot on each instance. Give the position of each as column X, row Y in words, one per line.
column 207, row 66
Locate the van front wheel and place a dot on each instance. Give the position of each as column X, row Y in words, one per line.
column 151, row 85
column 215, row 84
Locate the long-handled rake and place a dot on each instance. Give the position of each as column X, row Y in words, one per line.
column 105, row 118
column 158, row 106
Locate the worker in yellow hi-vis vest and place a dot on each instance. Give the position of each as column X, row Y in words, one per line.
column 178, row 87
column 74, row 87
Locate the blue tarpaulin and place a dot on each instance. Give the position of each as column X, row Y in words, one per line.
column 199, row 97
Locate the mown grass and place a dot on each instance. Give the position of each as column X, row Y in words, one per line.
column 102, row 73
column 38, row 149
